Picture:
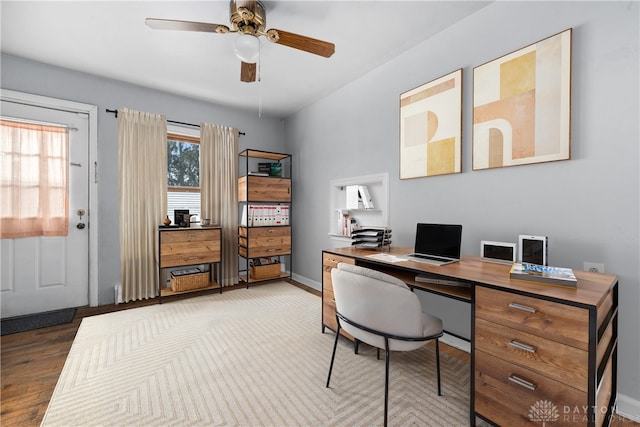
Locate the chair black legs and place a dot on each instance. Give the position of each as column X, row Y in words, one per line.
column 438, row 364
column 333, row 356
column 386, row 378
column 387, row 354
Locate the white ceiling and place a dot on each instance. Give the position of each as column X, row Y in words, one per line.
column 110, row 39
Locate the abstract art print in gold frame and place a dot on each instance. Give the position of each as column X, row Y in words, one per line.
column 431, row 128
column 522, row 106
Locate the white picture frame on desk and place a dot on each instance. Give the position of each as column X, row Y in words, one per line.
column 498, row 252
column 533, row 249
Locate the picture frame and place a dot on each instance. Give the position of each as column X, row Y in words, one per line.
column 522, row 105
column 498, row 252
column 431, row 128
column 533, row 249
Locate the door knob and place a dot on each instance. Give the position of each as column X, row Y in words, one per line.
column 80, row 226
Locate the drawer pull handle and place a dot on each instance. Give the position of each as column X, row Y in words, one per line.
column 522, row 307
column 521, row 346
column 522, row 382
column 270, row 230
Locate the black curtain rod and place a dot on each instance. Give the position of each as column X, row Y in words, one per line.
column 115, row 112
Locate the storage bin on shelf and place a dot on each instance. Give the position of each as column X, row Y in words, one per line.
column 186, row 280
column 267, row 271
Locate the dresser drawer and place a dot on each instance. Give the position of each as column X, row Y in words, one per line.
column 256, row 242
column 259, row 232
column 553, row 359
column 550, row 320
column 264, row 189
column 265, row 242
column 509, row 394
column 189, row 236
column 178, row 248
column 264, row 251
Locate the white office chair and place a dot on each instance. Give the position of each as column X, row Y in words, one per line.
column 381, row 310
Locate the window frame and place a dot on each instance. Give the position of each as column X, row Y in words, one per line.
column 186, row 134
column 180, row 137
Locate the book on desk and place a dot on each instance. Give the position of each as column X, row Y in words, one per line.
column 543, row 274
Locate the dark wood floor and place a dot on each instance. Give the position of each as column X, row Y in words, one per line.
column 32, row 361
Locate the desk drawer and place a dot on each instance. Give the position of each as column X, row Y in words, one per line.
column 550, row 320
column 555, row 360
column 507, row 393
column 330, row 261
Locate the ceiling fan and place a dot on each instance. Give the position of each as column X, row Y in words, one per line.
column 248, row 18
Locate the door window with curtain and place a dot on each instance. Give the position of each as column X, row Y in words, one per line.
column 183, row 183
column 33, row 179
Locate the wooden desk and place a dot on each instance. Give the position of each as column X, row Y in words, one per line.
column 530, row 343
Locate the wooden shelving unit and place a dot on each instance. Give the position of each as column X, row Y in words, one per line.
column 268, row 236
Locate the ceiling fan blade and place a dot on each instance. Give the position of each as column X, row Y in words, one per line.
column 172, row 24
column 296, row 41
column 248, row 72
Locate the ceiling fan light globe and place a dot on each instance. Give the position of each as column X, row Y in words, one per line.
column 247, row 47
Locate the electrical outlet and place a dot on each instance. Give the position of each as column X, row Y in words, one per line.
column 594, row 267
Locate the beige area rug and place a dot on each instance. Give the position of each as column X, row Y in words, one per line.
column 246, row 357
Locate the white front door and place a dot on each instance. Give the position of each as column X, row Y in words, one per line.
column 41, row 274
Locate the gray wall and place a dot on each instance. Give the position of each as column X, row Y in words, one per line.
column 36, row 78
column 588, row 206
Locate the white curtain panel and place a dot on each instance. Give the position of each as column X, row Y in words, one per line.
column 219, row 191
column 142, row 167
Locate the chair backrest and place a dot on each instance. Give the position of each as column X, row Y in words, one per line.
column 378, row 305
column 374, row 274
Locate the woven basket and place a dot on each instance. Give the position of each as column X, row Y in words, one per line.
column 265, row 271
column 189, row 282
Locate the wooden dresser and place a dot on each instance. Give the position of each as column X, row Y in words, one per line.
column 181, row 247
column 540, row 353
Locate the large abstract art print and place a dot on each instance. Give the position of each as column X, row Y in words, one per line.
column 431, row 128
column 522, row 106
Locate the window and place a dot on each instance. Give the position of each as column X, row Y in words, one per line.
column 33, row 180
column 183, row 184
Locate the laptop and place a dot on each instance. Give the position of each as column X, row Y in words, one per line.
column 437, row 244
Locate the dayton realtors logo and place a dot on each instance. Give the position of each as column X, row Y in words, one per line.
column 543, row 411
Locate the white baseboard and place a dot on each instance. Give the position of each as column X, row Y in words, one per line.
column 628, row 407
column 308, row 282
column 456, row 342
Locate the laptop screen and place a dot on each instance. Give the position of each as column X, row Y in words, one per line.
column 439, row 239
